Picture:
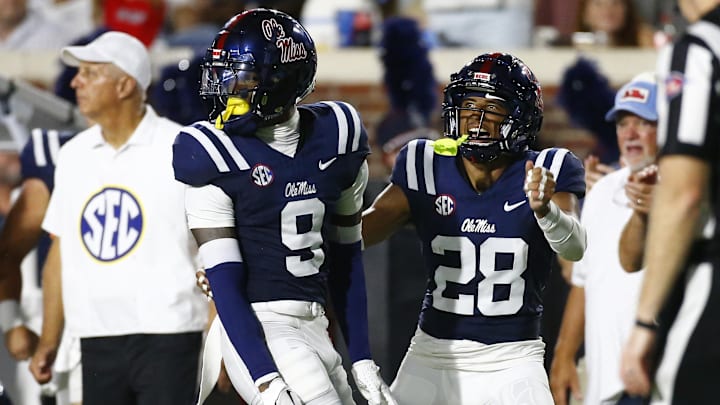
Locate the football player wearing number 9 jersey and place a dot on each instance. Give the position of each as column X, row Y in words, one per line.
column 273, row 199
column 492, row 214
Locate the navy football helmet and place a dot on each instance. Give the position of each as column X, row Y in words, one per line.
column 503, row 76
column 263, row 56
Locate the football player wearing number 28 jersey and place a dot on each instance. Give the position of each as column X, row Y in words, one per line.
column 274, row 199
column 491, row 214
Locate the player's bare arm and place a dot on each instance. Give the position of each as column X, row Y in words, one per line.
column 204, row 235
column 388, row 213
column 20, row 234
column 53, row 318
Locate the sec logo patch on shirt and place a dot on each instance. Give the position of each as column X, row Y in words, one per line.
column 111, row 224
column 445, row 205
column 262, row 175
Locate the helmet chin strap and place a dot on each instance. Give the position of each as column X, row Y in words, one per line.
column 235, row 106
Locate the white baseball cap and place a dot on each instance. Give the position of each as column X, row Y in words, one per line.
column 121, row 49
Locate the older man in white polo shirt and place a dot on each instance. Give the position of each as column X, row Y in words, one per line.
column 121, row 250
column 599, row 308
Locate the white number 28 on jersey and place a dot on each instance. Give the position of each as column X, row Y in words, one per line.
column 485, row 262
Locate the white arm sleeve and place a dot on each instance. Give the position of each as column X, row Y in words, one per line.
column 208, row 207
column 564, row 233
column 217, row 251
column 351, row 199
column 350, row 203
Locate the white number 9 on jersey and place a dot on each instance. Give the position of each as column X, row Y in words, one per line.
column 295, row 239
column 488, row 250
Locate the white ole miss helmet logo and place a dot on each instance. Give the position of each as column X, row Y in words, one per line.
column 290, row 51
column 111, row 224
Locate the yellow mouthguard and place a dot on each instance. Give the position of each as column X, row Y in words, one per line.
column 448, row 146
column 235, row 106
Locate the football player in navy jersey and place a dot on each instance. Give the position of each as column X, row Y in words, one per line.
column 22, row 233
column 273, row 199
column 492, row 215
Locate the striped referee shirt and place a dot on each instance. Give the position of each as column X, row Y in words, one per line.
column 689, row 99
column 689, row 91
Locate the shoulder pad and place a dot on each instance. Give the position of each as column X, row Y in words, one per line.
column 202, row 153
column 39, row 155
column 415, row 167
column 351, row 134
column 566, row 168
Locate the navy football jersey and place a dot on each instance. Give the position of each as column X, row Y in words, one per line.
column 39, row 155
column 282, row 204
column 37, row 160
column 486, row 258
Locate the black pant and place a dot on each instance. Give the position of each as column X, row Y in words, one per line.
column 698, row 369
column 141, row 369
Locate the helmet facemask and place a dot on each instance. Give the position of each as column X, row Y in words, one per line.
column 222, row 79
column 478, row 118
column 501, row 79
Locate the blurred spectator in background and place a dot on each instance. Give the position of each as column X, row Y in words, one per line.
column 290, row 7
column 142, row 19
column 76, row 17
column 341, row 23
column 585, row 94
column 24, row 28
column 194, row 23
column 139, row 18
column 191, row 25
column 410, row 85
column 175, row 94
column 613, row 23
column 481, row 23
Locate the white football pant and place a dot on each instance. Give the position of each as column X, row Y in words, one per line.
column 440, row 372
column 297, row 336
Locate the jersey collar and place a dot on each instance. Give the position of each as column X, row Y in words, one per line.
column 143, row 134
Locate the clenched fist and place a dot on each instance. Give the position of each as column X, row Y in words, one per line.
column 539, row 188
